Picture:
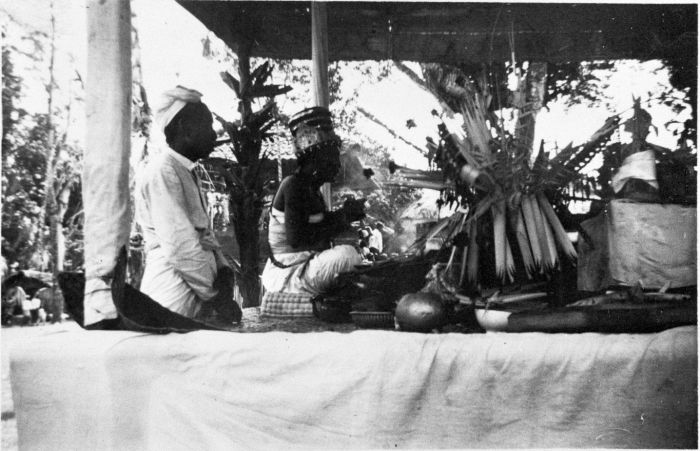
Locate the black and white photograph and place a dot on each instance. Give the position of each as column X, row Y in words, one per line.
column 276, row 225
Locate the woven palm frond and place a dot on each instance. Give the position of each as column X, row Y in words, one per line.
column 477, row 129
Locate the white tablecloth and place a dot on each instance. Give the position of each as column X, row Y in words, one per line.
column 222, row 390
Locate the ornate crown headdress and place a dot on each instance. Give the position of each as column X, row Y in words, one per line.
column 312, row 130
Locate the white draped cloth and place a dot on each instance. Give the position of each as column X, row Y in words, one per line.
column 361, row 390
column 307, row 272
column 179, row 243
column 639, row 165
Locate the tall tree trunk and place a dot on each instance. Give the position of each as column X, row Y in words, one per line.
column 246, row 208
column 140, row 109
column 246, row 218
column 48, row 206
column 141, row 121
column 59, row 243
column 57, row 226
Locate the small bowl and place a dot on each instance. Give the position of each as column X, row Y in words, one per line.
column 492, row 320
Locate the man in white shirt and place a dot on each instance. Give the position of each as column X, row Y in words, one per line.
column 375, row 239
column 184, row 263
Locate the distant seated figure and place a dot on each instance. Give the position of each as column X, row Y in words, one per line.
column 636, row 177
column 12, row 303
column 375, row 240
column 30, row 310
column 301, row 228
column 51, row 303
column 389, row 245
column 363, row 243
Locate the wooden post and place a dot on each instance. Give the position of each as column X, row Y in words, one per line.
column 319, row 53
column 531, row 103
column 319, row 67
column 106, row 158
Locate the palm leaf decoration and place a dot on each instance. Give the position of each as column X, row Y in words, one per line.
column 493, row 176
column 245, row 182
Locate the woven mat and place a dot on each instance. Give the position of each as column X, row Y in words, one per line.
column 253, row 323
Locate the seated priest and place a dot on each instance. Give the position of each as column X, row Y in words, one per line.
column 301, row 228
column 185, row 269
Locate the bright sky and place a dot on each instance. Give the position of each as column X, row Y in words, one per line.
column 171, row 53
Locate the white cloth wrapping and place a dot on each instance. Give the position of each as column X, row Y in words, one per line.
column 31, row 304
column 309, row 272
column 376, row 240
column 171, row 102
column 180, row 262
column 313, row 272
column 365, row 389
column 639, row 165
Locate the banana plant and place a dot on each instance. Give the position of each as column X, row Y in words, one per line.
column 245, row 182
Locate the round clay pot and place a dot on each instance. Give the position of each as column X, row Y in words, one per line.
column 420, row 312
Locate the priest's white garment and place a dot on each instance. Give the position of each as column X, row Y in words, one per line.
column 179, row 243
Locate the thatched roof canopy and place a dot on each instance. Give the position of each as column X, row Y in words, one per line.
column 457, row 32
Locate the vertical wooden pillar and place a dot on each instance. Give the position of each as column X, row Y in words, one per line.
column 106, row 158
column 319, row 52
column 319, row 66
column 535, row 85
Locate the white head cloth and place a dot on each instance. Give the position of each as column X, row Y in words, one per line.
column 171, row 102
